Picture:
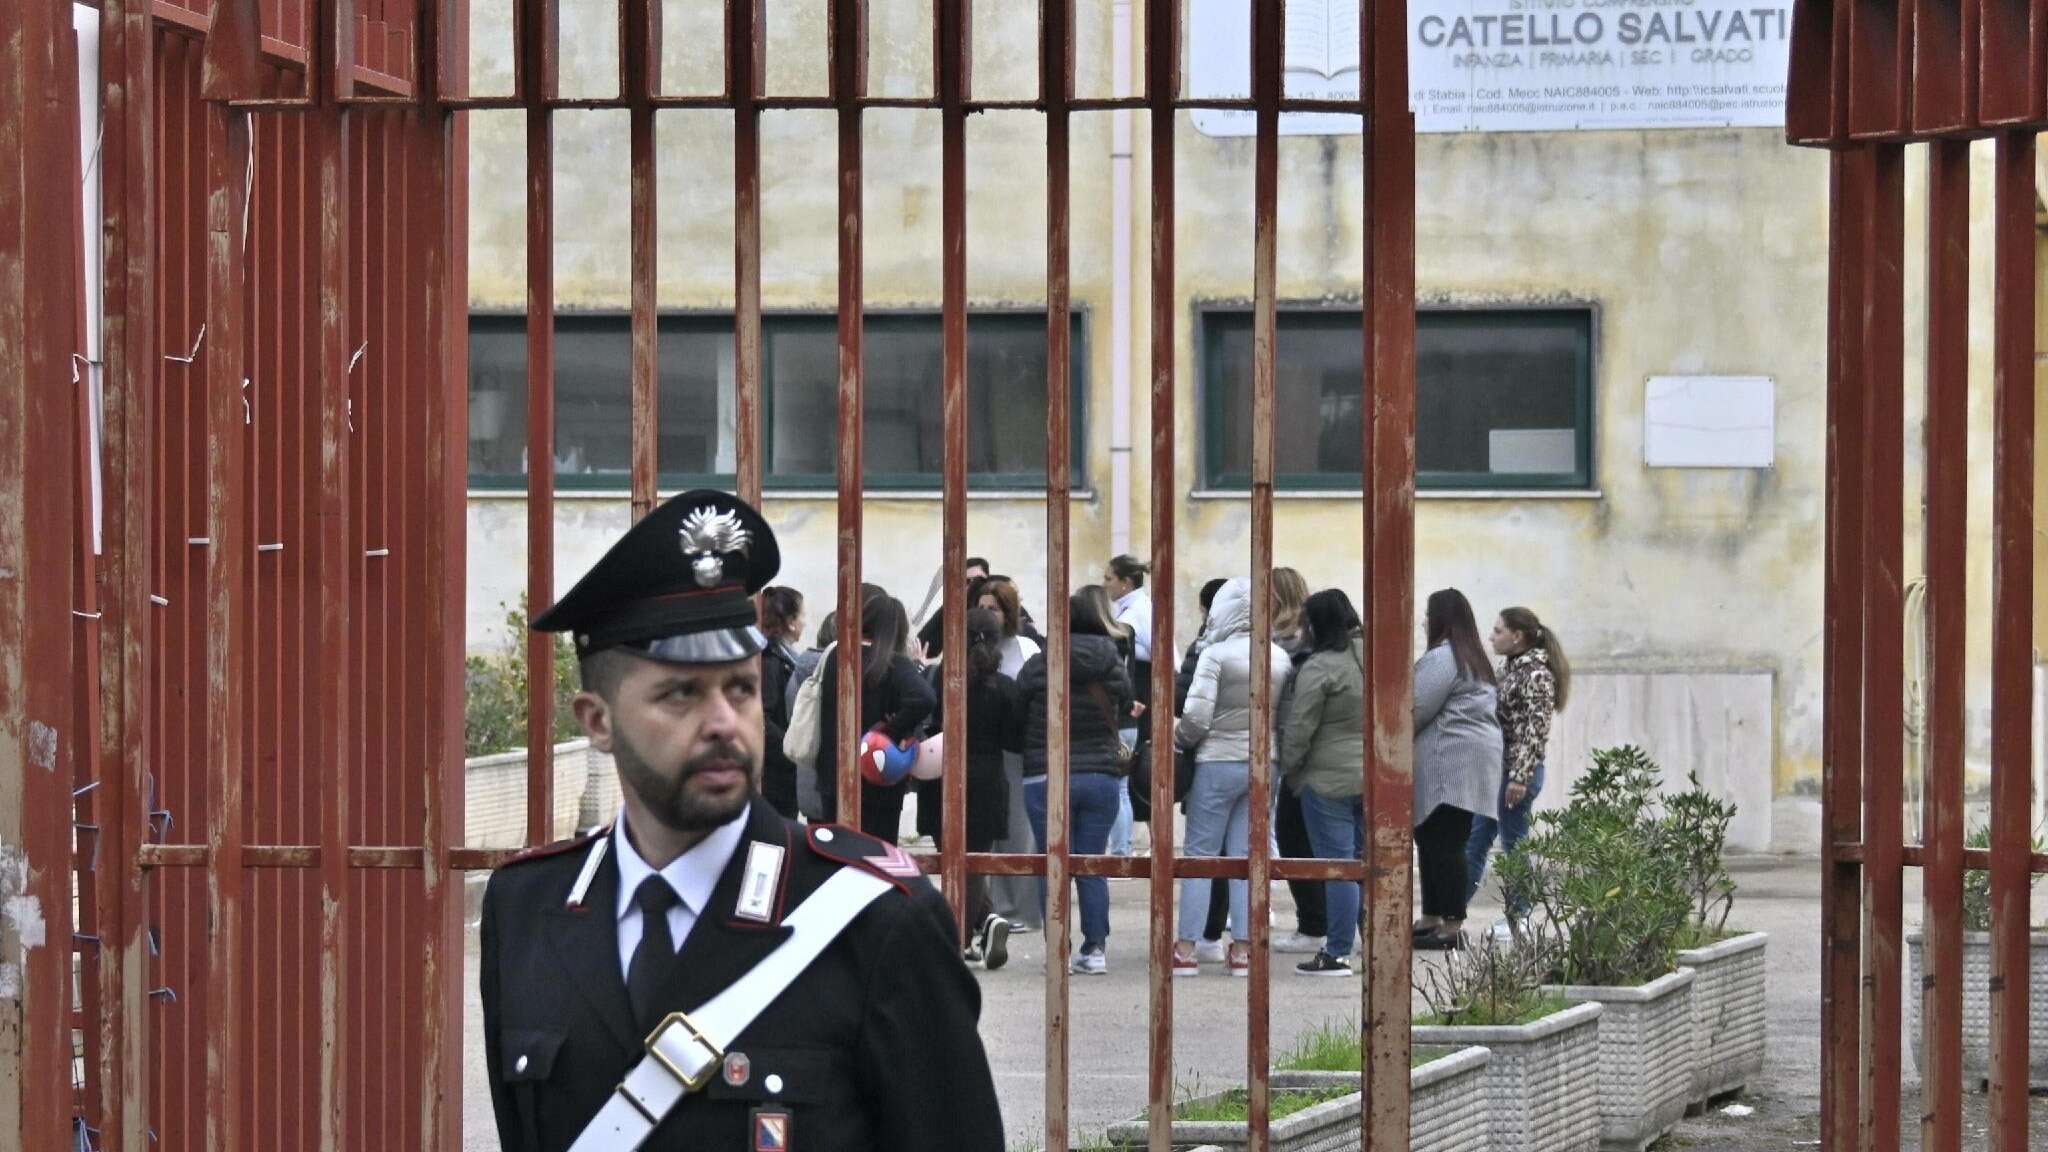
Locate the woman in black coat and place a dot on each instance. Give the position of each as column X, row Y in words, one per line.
column 894, row 698
column 995, row 725
column 1098, row 698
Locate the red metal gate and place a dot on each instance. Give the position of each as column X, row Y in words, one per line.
column 1870, row 79
column 269, row 835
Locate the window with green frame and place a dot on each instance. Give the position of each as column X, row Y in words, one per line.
column 1503, row 398
column 903, row 431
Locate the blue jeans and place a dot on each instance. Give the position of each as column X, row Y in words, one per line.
column 1091, row 799
column 1120, row 832
column 1219, row 823
column 1336, row 831
column 1511, row 826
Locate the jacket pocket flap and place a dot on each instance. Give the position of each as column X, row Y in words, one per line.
column 528, row 1054
column 798, row 1075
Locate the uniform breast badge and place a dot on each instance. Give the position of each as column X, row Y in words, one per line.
column 771, row 1130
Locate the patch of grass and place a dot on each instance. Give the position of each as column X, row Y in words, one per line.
column 1235, row 1105
column 1696, row 935
column 1332, row 1046
column 1526, row 1011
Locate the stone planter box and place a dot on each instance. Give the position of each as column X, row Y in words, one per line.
column 1977, row 1007
column 1445, row 1099
column 1646, row 1053
column 1728, row 1014
column 494, row 812
column 1542, row 1090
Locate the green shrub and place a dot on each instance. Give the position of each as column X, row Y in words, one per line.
column 1608, row 874
column 1977, row 884
column 494, row 701
column 1697, row 822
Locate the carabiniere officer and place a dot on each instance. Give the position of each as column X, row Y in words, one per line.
column 705, row 975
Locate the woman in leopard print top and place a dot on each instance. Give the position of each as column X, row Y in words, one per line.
column 1535, row 680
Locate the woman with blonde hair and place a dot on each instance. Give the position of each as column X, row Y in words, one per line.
column 1290, row 822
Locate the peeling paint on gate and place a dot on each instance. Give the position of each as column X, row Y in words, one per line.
column 21, row 921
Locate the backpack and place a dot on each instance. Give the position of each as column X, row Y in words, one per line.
column 800, row 739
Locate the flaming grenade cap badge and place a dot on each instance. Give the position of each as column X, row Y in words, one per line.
column 709, row 537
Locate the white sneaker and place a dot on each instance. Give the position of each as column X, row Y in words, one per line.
column 1210, row 952
column 1090, row 963
column 1299, row 944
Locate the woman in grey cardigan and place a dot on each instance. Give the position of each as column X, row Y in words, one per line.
column 1457, row 762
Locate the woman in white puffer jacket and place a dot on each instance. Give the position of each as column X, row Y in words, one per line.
column 1216, row 724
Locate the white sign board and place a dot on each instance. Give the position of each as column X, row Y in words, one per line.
column 1709, row 422
column 1517, row 65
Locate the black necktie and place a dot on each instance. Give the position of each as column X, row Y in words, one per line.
column 656, row 954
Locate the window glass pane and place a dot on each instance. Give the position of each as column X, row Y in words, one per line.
column 1500, row 398
column 904, row 429
column 497, row 396
column 903, row 420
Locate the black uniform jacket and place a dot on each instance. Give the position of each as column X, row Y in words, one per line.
column 874, row 1047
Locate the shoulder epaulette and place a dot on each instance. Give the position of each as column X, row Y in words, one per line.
column 851, row 846
column 558, row 848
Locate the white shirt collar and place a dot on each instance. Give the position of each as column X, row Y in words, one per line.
column 693, row 874
column 1129, row 598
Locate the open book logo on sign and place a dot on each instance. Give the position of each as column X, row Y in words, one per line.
column 1322, row 37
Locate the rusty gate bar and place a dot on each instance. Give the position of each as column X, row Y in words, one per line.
column 951, row 20
column 1268, row 39
column 1946, row 550
column 1162, row 87
column 536, row 78
column 1389, row 512
column 1055, row 92
column 226, row 636
column 38, row 336
column 746, row 63
column 640, row 75
column 1883, row 418
column 2012, row 591
column 1865, row 80
column 849, row 84
column 129, row 365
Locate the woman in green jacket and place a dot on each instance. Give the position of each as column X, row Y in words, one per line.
column 1322, row 755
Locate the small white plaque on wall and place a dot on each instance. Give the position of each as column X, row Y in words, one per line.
column 1709, row 422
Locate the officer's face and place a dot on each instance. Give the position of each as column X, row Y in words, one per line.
column 687, row 739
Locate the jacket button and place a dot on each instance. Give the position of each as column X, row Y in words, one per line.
column 520, row 1066
column 773, row 1083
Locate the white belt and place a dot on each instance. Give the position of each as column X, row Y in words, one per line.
column 685, row 1051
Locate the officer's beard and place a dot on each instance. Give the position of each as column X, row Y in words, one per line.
column 670, row 800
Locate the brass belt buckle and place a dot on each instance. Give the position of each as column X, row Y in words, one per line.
column 689, row 1083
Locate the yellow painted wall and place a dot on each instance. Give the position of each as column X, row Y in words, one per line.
column 1701, row 252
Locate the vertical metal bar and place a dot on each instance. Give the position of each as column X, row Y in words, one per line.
column 1842, row 687
column 1884, row 641
column 338, row 557
column 2012, row 583
column 37, row 305
column 1162, row 86
column 1389, row 509
column 1947, row 550
column 639, row 64
column 951, row 19
column 1268, row 38
column 227, row 561
column 440, row 540
column 1055, row 91
column 745, row 65
column 129, row 364
column 849, row 84
column 536, row 31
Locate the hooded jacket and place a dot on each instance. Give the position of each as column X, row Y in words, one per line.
column 1092, row 737
column 1216, row 720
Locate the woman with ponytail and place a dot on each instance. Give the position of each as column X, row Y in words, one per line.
column 1535, row 681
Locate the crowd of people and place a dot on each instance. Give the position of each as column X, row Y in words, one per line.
column 1480, row 734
